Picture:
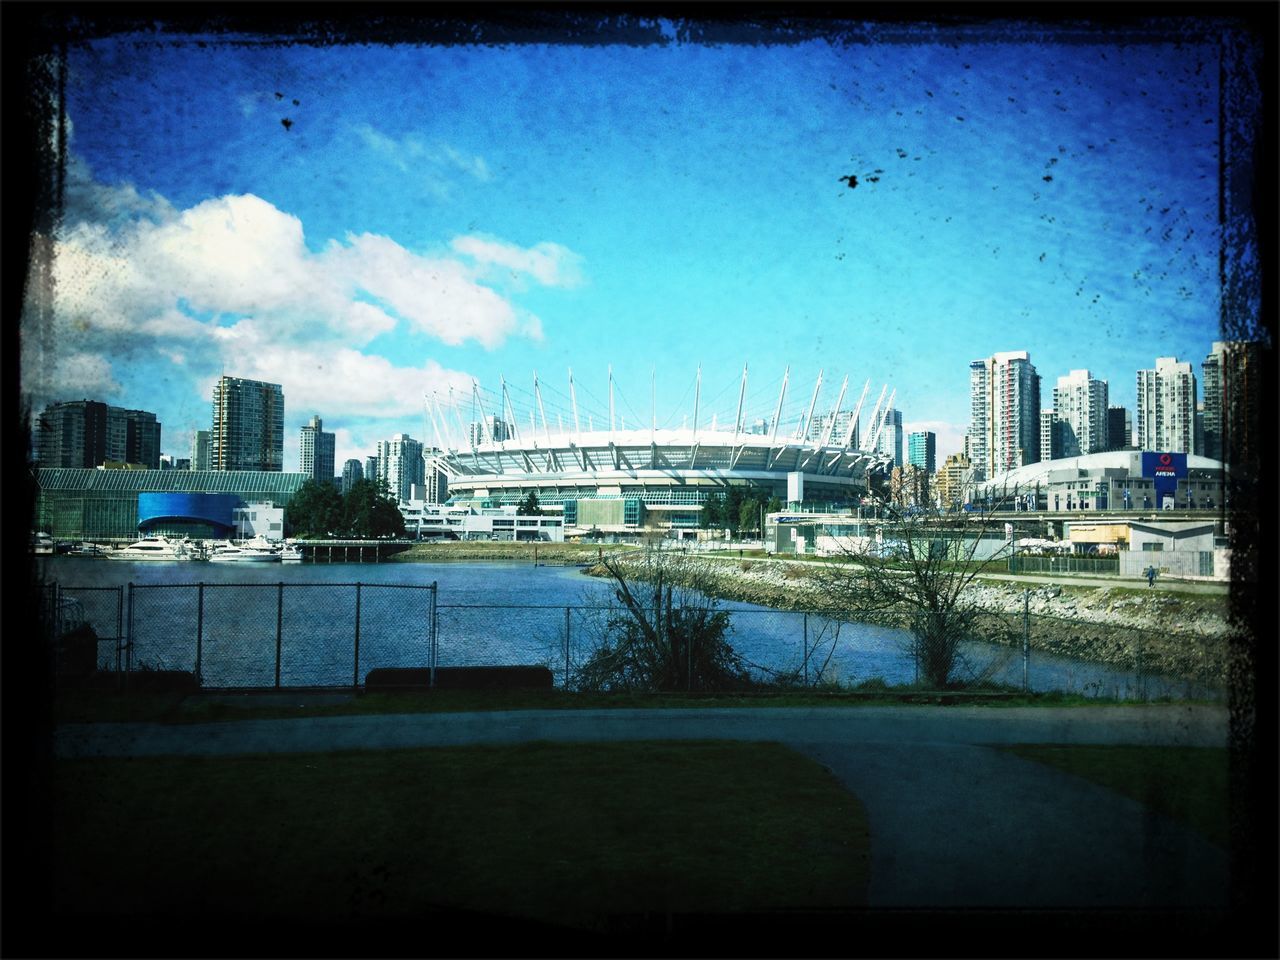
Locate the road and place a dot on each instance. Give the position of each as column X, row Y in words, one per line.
column 955, row 821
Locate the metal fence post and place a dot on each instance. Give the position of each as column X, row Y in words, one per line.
column 128, row 645
column 199, row 628
column 567, row 615
column 434, row 627
column 279, row 627
column 804, row 640
column 119, row 632
column 355, row 667
column 1026, row 641
column 1137, row 666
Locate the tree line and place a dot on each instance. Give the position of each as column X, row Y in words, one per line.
column 366, row 511
column 735, row 511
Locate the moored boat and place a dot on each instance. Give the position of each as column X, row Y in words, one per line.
column 256, row 550
column 157, row 548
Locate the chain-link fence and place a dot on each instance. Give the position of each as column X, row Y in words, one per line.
column 273, row 635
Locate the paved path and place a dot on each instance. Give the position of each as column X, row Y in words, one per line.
column 955, row 822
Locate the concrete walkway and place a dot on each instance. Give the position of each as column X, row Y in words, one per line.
column 955, row 822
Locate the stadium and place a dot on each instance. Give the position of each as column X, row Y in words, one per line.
column 653, row 477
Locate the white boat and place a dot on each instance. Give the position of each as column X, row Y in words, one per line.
column 256, row 550
column 157, row 548
column 42, row 544
column 291, row 553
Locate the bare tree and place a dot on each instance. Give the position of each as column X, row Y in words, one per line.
column 669, row 633
column 916, row 570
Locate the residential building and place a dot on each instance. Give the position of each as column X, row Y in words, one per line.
column 839, row 425
column 200, row 447
column 890, row 440
column 1051, row 430
column 248, row 425
column 371, row 468
column 88, row 433
column 351, row 472
column 953, row 480
column 1232, row 398
column 489, row 430
column 316, row 451
column 1119, row 428
column 922, row 449
column 400, row 465
column 1004, row 402
column 1080, row 405
column 1166, row 410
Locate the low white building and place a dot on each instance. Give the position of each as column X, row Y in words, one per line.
column 259, row 520
column 1190, row 551
column 442, row 521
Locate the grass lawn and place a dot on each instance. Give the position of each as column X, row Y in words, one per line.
column 1189, row 784
column 566, row 834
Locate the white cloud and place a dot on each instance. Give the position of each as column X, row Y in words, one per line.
column 231, row 285
column 549, row 263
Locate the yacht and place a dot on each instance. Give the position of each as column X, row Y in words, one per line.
column 291, row 553
column 256, row 550
column 157, row 548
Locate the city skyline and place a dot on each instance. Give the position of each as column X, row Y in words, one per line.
column 889, row 210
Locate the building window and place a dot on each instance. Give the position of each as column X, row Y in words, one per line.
column 1152, row 547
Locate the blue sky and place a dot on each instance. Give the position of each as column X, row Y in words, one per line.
column 433, row 215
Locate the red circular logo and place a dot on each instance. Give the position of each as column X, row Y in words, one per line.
column 1166, row 458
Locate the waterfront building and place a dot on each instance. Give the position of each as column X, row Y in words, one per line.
column 316, row 451
column 1004, row 402
column 922, row 447
column 248, row 425
column 1080, row 407
column 426, row 520
column 400, row 465
column 351, row 472
column 611, row 477
column 89, row 433
column 1166, row 409
column 81, row 504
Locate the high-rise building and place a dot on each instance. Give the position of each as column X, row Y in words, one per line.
column 400, row 465
column 1119, row 428
column 316, row 451
column 890, row 440
column 1004, row 404
column 371, row 468
column 89, row 433
column 200, row 447
column 952, row 479
column 1080, row 404
column 839, row 424
column 922, row 450
column 489, row 430
column 436, row 486
column 1166, row 410
column 1050, row 436
column 1232, row 394
column 248, row 426
column 351, row 472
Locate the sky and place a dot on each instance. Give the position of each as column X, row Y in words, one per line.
column 373, row 225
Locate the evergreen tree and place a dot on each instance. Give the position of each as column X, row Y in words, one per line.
column 369, row 513
column 316, row 510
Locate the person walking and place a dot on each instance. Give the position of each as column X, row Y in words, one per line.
column 1151, row 575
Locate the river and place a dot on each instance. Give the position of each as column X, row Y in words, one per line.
column 487, row 613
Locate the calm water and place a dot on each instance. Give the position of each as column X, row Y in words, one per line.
column 487, row 613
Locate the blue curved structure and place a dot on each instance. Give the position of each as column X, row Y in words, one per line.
column 204, row 515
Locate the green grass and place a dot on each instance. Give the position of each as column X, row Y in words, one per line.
column 1189, row 784
column 569, row 834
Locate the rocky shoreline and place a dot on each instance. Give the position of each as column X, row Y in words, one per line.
column 1181, row 634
